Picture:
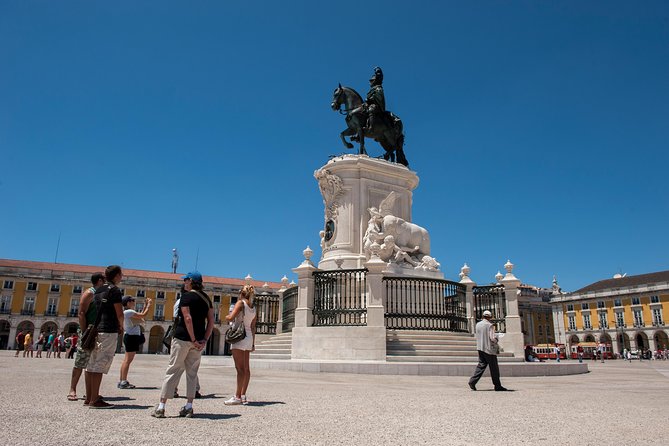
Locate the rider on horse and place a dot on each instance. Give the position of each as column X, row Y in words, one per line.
column 375, row 106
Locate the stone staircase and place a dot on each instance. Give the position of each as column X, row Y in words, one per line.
column 401, row 346
column 275, row 347
column 434, row 346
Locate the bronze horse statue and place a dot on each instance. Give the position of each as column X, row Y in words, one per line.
column 389, row 132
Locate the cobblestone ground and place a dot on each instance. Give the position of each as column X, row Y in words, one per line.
column 617, row 403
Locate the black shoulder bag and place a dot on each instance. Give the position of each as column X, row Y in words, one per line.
column 90, row 335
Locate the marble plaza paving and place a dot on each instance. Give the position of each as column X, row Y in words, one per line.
column 617, row 403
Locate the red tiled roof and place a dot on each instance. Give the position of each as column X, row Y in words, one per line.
column 64, row 267
column 628, row 281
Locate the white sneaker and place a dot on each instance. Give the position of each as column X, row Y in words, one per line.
column 234, row 401
column 244, row 400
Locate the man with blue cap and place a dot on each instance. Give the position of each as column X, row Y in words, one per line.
column 194, row 325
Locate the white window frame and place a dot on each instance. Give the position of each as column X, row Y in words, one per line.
column 638, row 318
column 52, row 302
column 29, row 300
column 603, row 322
column 571, row 320
column 657, row 316
column 620, row 319
column 74, row 306
column 8, row 285
column 6, row 303
column 587, row 323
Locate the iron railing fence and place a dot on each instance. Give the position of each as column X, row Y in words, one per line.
column 340, row 297
column 289, row 306
column 267, row 313
column 425, row 304
column 492, row 298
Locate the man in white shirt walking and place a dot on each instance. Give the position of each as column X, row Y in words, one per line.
column 486, row 344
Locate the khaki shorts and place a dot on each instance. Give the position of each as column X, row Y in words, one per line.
column 103, row 353
column 81, row 358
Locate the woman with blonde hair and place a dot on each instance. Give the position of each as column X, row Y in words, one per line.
column 241, row 350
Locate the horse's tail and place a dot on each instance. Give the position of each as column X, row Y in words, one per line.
column 399, row 150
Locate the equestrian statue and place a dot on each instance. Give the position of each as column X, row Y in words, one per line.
column 369, row 119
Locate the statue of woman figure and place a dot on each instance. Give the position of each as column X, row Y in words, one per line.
column 373, row 234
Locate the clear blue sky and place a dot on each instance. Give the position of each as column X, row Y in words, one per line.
column 539, row 130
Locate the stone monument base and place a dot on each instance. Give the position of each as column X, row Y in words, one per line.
column 393, row 269
column 339, row 343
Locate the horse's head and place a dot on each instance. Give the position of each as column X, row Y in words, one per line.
column 338, row 98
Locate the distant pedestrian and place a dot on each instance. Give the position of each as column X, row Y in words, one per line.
column 74, row 340
column 488, row 348
column 132, row 339
column 40, row 345
column 61, row 344
column 556, row 350
column 601, row 352
column 579, row 353
column 108, row 300
column 55, row 347
column 241, row 350
column 18, row 342
column 87, row 315
column 28, row 345
column 193, row 329
column 49, row 344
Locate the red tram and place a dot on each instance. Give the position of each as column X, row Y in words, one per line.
column 547, row 351
column 590, row 350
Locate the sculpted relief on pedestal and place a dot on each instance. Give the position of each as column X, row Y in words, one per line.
column 396, row 240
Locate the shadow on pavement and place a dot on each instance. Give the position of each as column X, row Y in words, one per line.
column 131, row 406
column 493, row 390
column 263, row 403
column 146, row 388
column 203, row 397
column 117, row 398
column 216, row 416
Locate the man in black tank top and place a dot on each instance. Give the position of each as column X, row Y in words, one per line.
column 193, row 329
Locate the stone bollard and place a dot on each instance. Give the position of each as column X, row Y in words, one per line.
column 469, row 297
column 512, row 341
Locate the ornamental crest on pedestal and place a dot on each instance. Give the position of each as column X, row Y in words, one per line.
column 332, row 188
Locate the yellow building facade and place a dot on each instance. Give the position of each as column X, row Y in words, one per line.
column 536, row 315
column 44, row 297
column 628, row 312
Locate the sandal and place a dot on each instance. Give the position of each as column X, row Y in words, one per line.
column 71, row 397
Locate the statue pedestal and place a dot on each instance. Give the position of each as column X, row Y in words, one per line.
column 396, row 270
column 351, row 184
